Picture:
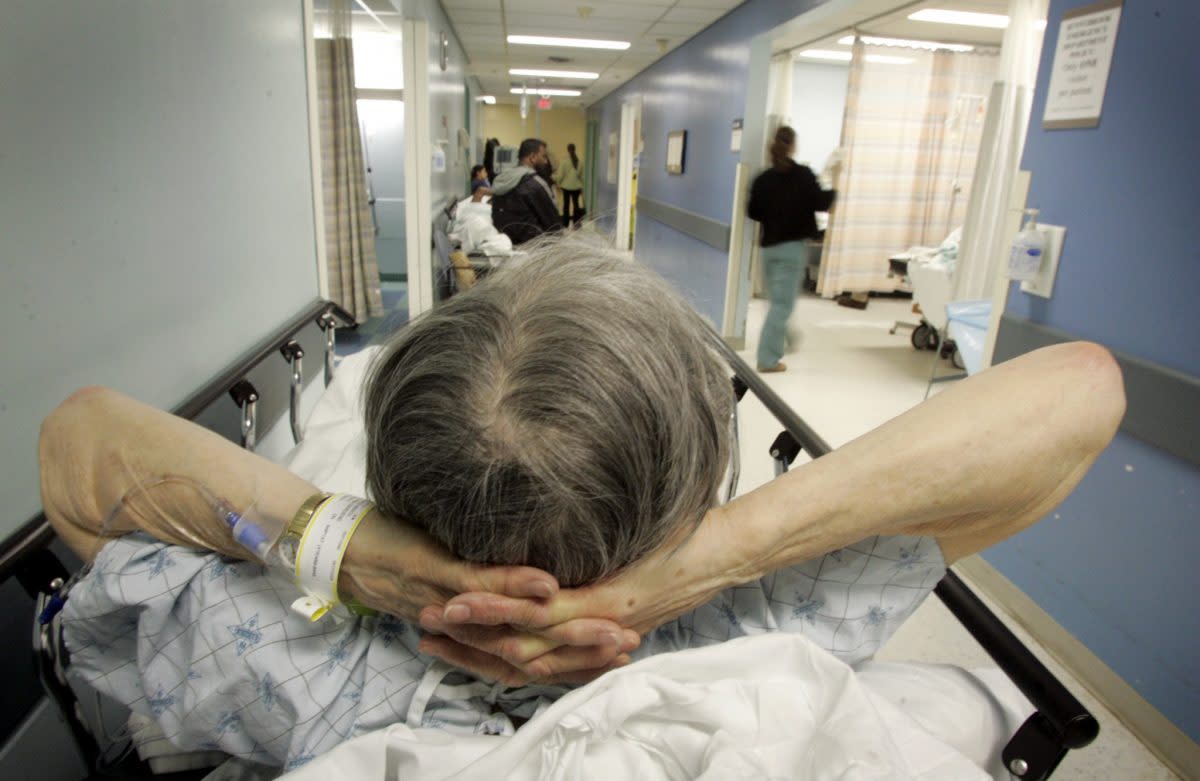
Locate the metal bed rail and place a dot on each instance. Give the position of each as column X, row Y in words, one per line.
column 1060, row 722
column 36, row 533
column 26, row 555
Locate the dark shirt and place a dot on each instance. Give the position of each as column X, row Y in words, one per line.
column 525, row 211
column 785, row 203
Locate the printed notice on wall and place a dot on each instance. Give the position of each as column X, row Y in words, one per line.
column 1082, row 59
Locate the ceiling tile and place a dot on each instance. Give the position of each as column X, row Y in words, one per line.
column 667, row 29
column 611, row 29
column 725, row 5
column 694, row 15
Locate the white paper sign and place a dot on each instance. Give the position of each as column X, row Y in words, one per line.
column 439, row 160
column 1082, row 59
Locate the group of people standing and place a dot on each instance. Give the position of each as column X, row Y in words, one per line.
column 523, row 202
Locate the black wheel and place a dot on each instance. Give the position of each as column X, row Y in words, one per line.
column 925, row 337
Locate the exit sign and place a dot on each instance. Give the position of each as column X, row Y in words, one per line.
column 543, row 104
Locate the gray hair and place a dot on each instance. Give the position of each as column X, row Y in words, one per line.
column 566, row 413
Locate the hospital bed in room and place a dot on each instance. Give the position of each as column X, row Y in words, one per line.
column 231, row 403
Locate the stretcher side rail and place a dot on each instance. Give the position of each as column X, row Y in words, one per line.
column 1061, row 722
column 26, row 556
column 36, row 533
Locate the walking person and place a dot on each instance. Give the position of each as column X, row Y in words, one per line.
column 785, row 199
column 570, row 181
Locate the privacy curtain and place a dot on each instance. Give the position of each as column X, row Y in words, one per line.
column 913, row 122
column 353, row 269
column 986, row 235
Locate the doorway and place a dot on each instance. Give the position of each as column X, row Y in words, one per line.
column 942, row 196
column 381, row 124
column 629, row 152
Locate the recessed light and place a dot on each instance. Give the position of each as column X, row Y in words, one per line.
column 829, row 54
column 564, row 93
column 572, row 43
column 963, row 18
column 553, row 74
column 872, row 40
column 488, row 99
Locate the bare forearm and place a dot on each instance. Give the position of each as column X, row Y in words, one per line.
column 99, row 446
column 1005, row 446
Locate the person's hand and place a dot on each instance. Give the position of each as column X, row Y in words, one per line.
column 398, row 569
column 516, row 640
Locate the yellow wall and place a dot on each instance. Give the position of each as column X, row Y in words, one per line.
column 557, row 127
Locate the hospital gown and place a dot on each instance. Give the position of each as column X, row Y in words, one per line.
column 209, row 649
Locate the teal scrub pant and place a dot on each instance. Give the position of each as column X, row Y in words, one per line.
column 783, row 269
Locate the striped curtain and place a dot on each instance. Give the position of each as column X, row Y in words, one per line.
column 911, row 137
column 353, row 269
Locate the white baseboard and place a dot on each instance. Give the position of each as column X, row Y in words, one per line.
column 1168, row 742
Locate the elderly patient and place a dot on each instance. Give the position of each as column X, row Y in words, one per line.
column 544, row 454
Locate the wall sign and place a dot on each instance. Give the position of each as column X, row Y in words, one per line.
column 735, row 136
column 1082, row 58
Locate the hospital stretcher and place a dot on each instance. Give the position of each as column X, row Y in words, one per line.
column 1060, row 722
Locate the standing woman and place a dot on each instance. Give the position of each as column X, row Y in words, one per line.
column 785, row 199
column 570, row 180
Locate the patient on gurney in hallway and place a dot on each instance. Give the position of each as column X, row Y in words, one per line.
column 545, row 453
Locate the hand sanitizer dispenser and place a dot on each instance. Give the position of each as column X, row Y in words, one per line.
column 1028, row 250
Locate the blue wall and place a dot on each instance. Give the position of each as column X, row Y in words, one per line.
column 1116, row 566
column 700, row 87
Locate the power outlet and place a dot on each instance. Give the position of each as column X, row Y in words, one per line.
column 1043, row 284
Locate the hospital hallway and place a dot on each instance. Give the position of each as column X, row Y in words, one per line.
column 846, row 375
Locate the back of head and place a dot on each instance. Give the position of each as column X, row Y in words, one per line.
column 781, row 147
column 530, row 146
column 566, row 413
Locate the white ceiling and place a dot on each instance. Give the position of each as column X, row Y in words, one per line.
column 653, row 27
column 896, row 24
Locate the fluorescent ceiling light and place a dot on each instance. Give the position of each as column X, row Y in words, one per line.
column 553, row 74
column 829, row 54
column 825, row 54
column 573, row 43
column 964, row 18
column 872, row 40
column 565, row 93
column 488, row 99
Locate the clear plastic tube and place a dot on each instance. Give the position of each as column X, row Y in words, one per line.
column 175, row 517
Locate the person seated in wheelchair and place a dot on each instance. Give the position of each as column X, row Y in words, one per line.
column 543, row 460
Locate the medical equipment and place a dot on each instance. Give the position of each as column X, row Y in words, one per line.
column 1061, row 722
column 506, row 158
column 1028, row 250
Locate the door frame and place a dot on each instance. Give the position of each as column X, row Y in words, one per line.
column 631, row 114
column 418, row 165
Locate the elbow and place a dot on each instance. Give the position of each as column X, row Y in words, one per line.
column 1098, row 378
column 59, row 434
column 75, row 406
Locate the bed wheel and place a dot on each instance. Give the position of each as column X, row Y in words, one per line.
column 925, row 337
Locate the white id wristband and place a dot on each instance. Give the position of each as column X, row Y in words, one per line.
column 319, row 557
